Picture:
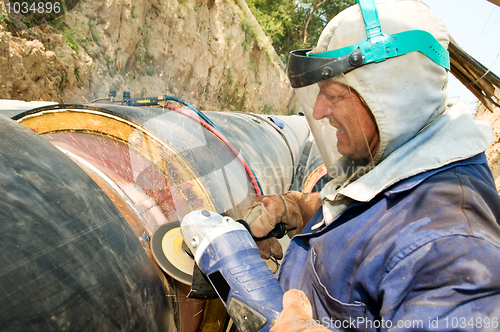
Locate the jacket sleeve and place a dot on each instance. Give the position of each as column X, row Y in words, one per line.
column 448, row 284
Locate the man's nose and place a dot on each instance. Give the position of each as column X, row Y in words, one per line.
column 321, row 108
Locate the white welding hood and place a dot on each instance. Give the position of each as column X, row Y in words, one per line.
column 403, row 83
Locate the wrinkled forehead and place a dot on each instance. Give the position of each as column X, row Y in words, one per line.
column 338, row 88
column 332, row 85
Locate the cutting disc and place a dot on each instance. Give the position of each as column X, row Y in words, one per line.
column 166, row 245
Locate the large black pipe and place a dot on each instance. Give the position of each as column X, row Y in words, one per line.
column 69, row 261
column 156, row 165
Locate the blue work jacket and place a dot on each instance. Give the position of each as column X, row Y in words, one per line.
column 423, row 255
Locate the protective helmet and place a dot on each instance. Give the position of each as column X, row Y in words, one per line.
column 393, row 54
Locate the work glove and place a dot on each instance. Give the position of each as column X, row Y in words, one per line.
column 297, row 314
column 293, row 208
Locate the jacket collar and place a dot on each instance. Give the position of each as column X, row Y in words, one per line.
column 452, row 138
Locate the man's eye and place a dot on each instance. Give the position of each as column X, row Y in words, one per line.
column 335, row 99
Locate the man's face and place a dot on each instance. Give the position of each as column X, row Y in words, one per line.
column 357, row 132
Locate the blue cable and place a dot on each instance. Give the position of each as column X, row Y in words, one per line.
column 206, row 119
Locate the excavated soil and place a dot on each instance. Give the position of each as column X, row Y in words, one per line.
column 206, row 52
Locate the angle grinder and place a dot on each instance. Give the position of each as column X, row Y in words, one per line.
column 224, row 254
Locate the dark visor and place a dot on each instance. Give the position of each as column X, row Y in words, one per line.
column 303, row 70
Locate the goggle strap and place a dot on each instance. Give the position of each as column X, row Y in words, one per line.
column 378, row 47
column 370, row 16
column 396, row 45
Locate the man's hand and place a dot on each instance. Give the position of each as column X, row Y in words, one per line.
column 294, row 209
column 297, row 314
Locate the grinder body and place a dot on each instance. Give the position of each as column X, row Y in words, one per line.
column 227, row 255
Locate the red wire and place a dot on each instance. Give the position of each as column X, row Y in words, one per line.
column 226, row 141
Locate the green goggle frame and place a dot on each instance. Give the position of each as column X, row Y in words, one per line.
column 377, row 47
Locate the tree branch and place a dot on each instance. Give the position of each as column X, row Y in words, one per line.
column 315, row 7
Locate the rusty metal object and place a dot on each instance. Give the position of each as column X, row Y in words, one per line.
column 313, row 178
column 315, row 173
column 110, row 137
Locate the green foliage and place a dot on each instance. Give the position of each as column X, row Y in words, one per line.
column 289, row 22
column 181, row 4
column 250, row 33
column 267, row 109
column 72, row 38
column 27, row 23
column 5, row 18
column 230, row 76
column 95, row 34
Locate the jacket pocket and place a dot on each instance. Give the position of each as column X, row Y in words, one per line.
column 332, row 313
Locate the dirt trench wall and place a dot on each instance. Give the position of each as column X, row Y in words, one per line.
column 204, row 51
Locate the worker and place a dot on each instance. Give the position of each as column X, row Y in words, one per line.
column 405, row 236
